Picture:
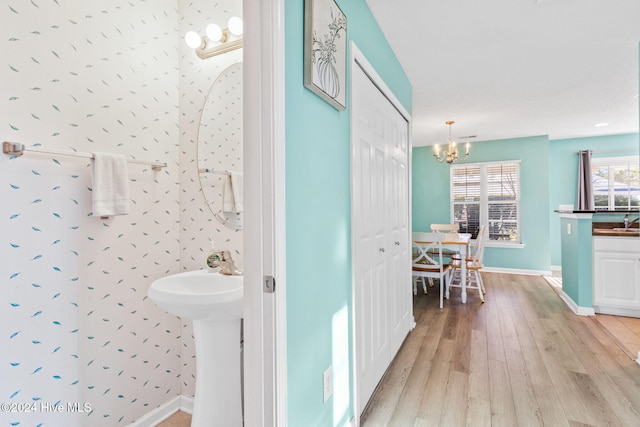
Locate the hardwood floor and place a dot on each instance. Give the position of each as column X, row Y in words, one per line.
column 179, row 419
column 522, row 358
column 624, row 330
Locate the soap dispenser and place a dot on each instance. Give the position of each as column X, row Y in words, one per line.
column 626, row 221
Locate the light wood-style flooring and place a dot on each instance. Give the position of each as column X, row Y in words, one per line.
column 625, row 331
column 179, row 419
column 520, row 359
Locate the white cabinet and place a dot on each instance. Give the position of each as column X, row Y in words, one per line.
column 616, row 275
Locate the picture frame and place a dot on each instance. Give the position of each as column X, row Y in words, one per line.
column 325, row 51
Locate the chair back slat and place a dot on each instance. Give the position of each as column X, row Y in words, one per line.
column 445, row 228
column 426, row 247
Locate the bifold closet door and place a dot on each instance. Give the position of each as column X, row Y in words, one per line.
column 381, row 263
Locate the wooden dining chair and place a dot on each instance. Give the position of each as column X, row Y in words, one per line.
column 428, row 262
column 445, row 228
column 473, row 265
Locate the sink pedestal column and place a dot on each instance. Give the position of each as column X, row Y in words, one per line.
column 218, row 399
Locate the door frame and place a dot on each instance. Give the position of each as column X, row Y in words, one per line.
column 265, row 367
column 358, row 59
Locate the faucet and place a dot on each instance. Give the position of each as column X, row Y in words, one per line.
column 224, row 261
column 627, row 224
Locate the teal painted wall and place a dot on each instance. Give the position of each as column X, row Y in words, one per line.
column 319, row 222
column 431, row 196
column 563, row 174
column 576, row 260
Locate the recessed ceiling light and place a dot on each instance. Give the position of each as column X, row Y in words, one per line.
column 599, row 125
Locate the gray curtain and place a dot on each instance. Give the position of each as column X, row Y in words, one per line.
column 585, row 183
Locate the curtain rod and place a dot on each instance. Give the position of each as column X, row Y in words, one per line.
column 18, row 149
column 621, row 150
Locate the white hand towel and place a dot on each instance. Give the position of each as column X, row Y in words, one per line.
column 227, row 195
column 110, row 192
column 237, row 187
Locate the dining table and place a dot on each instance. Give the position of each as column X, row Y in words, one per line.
column 459, row 243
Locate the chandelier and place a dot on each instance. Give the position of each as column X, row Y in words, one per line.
column 451, row 153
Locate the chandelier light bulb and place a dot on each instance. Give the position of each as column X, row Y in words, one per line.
column 193, row 39
column 214, row 32
column 235, row 26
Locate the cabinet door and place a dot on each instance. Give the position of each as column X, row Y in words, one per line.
column 616, row 279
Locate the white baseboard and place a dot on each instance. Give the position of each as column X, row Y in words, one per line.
column 186, row 403
column 617, row 311
column 517, row 271
column 164, row 411
column 580, row 311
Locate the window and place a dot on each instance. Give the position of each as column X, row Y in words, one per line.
column 616, row 183
column 487, row 194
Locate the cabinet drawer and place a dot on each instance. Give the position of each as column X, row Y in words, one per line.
column 617, row 244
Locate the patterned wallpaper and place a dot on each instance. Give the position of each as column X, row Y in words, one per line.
column 76, row 325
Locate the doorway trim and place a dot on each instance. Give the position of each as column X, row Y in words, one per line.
column 265, row 372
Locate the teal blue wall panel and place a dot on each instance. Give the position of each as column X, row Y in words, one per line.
column 577, row 260
column 430, row 190
column 318, row 222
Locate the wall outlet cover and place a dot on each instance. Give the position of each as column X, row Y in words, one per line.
column 327, row 383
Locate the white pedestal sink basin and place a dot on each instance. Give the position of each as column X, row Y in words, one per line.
column 214, row 303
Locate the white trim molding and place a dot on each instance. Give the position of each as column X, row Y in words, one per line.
column 617, row 311
column 517, row 271
column 265, row 330
column 156, row 416
column 576, row 215
column 580, row 311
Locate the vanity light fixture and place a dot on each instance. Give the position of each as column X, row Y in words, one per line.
column 451, row 154
column 217, row 40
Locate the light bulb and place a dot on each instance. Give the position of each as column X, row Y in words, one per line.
column 193, row 39
column 235, row 26
column 214, row 32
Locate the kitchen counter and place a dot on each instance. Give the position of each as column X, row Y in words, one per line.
column 616, row 233
column 615, row 229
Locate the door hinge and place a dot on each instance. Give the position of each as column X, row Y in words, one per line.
column 269, row 284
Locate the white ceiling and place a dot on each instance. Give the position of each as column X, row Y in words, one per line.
column 513, row 68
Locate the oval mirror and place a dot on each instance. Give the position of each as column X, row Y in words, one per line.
column 220, row 147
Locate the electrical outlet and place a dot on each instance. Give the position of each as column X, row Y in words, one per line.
column 568, row 228
column 327, row 383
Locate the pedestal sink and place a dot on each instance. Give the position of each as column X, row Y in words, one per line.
column 214, row 303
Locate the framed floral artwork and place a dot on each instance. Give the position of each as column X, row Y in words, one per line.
column 325, row 51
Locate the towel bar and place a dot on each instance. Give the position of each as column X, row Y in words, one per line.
column 18, row 149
